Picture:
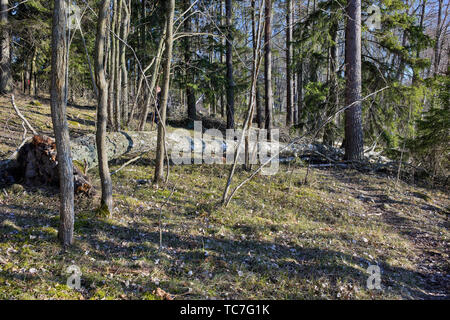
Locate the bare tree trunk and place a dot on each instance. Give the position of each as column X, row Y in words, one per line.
column 268, row 68
column 189, row 72
column 24, row 79
column 257, row 33
column 289, row 78
column 36, row 89
column 222, row 56
column 353, row 115
column 112, row 69
column 229, row 61
column 32, row 88
column 123, row 61
column 109, row 66
column 160, row 147
column 437, row 46
column 6, row 82
column 58, row 102
column 102, row 109
column 118, row 81
column 329, row 134
column 31, row 72
column 299, row 93
column 143, row 28
column 400, row 74
column 27, row 77
column 422, row 15
column 259, row 117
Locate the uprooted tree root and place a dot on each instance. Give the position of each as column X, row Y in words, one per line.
column 36, row 165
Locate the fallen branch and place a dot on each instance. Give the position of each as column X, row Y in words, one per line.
column 22, row 117
column 16, row 152
column 126, row 164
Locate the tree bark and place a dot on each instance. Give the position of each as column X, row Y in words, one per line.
column 58, row 102
column 259, row 116
column 118, row 77
column 112, row 69
column 160, row 147
column 268, row 68
column 123, row 61
column 229, row 62
column 6, row 82
column 254, row 84
column 422, row 15
column 353, row 115
column 437, row 47
column 299, row 93
column 32, row 88
column 329, row 134
column 289, row 78
column 109, row 67
column 189, row 72
column 102, row 109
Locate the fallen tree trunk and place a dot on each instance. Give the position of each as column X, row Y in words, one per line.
column 84, row 149
column 35, row 162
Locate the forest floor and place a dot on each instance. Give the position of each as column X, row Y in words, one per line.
column 278, row 239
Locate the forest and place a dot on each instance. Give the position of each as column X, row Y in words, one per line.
column 224, row 149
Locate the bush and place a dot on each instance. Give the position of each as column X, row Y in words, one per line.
column 430, row 148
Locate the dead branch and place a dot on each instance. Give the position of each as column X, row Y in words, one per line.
column 126, row 164
column 22, row 117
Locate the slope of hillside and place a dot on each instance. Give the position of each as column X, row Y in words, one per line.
column 279, row 238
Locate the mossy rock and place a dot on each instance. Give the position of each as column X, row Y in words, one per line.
column 74, row 123
column 36, row 103
column 80, row 166
column 9, row 225
column 16, row 188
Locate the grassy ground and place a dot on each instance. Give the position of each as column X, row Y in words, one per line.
column 278, row 239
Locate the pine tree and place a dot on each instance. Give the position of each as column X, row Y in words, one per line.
column 353, row 115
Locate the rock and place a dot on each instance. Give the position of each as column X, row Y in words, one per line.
column 16, row 188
